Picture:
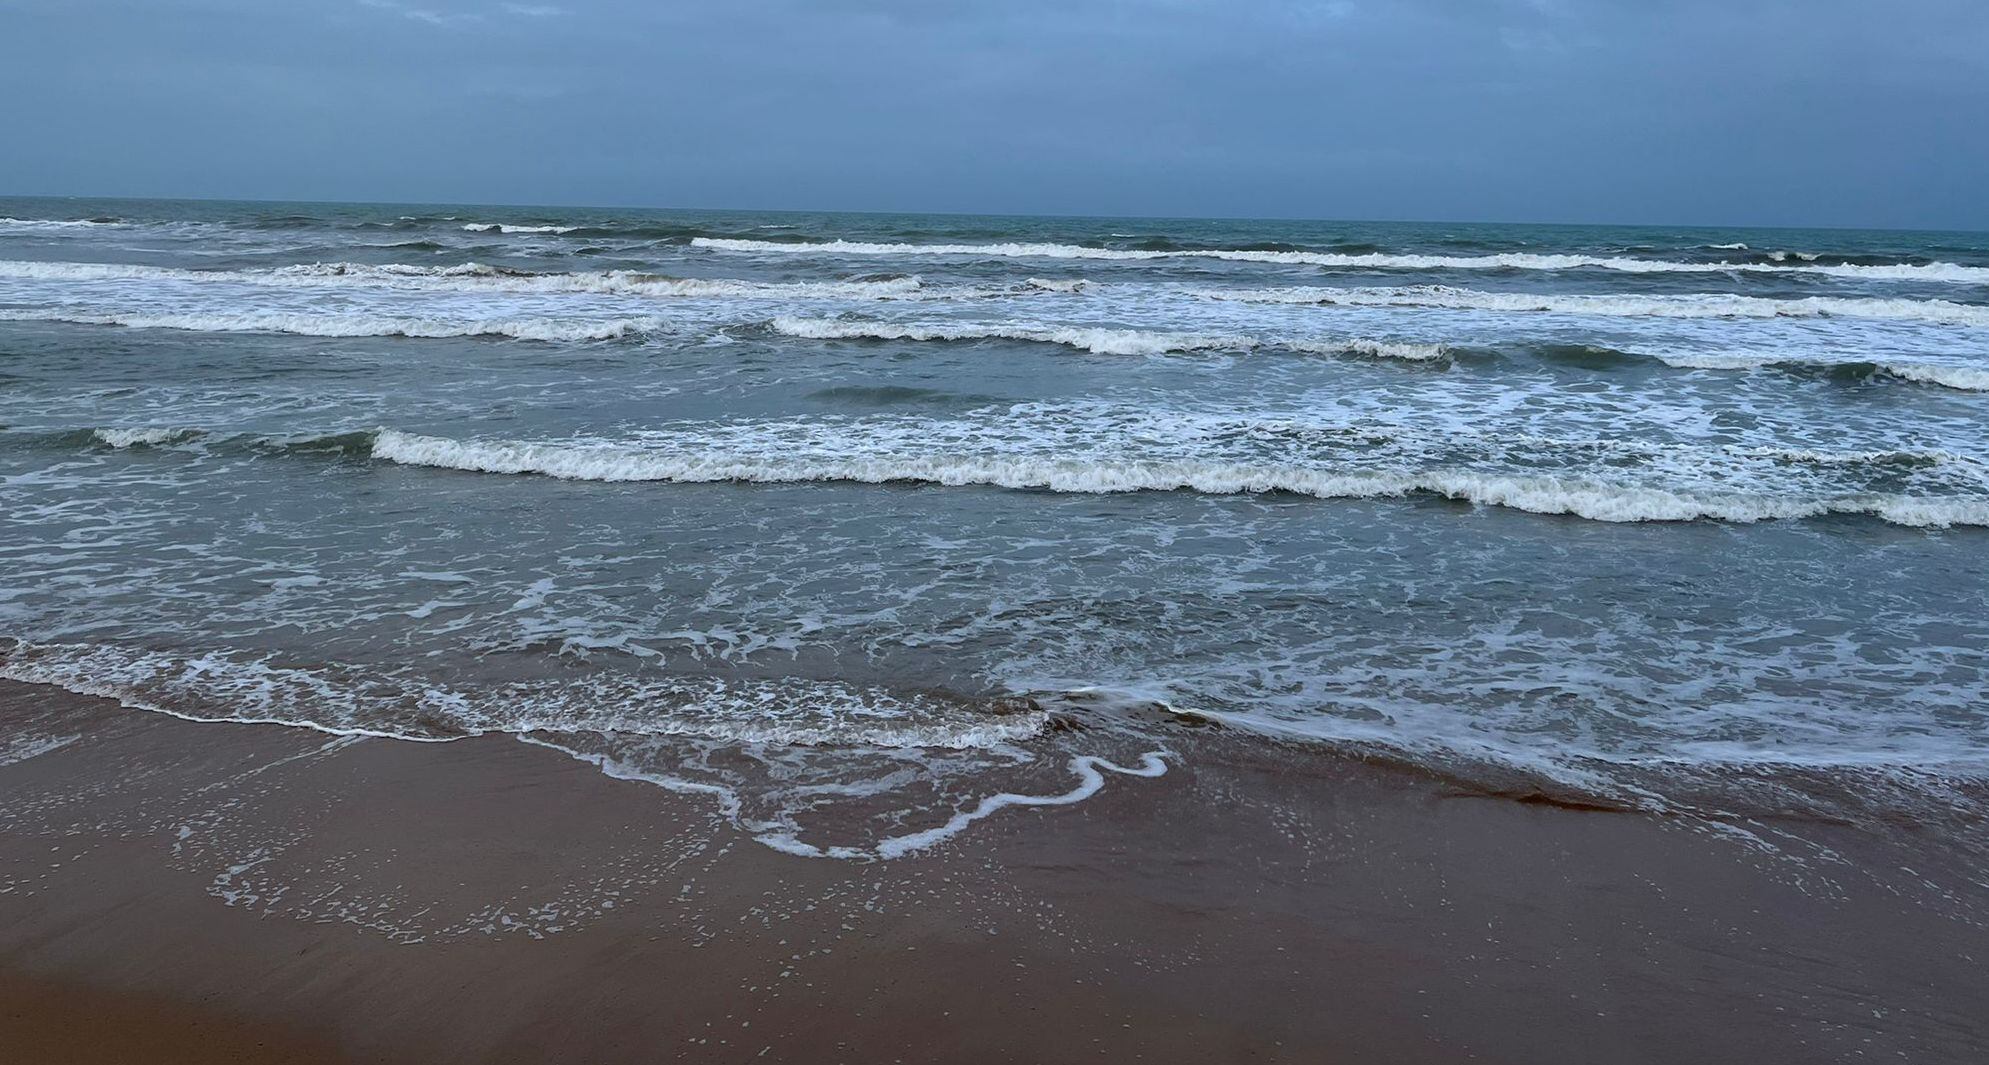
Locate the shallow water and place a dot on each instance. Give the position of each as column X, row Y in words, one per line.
column 822, row 511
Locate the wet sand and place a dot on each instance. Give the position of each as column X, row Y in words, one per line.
column 172, row 891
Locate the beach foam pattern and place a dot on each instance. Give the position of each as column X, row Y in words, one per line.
column 872, row 528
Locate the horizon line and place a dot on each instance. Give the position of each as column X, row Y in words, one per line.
column 993, row 214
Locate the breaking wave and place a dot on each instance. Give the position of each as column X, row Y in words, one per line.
column 1598, row 480
column 1947, row 375
column 1853, row 371
column 1698, row 305
column 1092, row 339
column 355, row 325
column 1931, row 272
column 143, row 437
column 1056, row 284
column 498, row 227
column 59, row 223
column 471, row 277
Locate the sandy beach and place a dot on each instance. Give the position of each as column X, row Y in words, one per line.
column 176, row 891
column 1327, row 532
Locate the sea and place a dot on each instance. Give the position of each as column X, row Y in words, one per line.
column 867, row 527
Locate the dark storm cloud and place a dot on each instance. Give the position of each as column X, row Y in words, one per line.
column 1829, row 111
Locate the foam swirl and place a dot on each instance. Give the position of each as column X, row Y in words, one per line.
column 347, row 701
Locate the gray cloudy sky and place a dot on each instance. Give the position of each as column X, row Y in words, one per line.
column 1843, row 112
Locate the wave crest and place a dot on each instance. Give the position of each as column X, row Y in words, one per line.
column 1680, row 483
column 1928, row 272
column 1096, row 340
column 143, row 437
column 1963, row 378
column 1705, row 305
column 472, row 277
column 551, row 330
column 499, row 227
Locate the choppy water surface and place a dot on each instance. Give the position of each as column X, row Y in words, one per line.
column 841, row 518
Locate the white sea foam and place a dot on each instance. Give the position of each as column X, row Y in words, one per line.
column 476, row 277
column 389, row 704
column 1098, row 341
column 1974, row 379
column 468, row 277
column 780, row 833
column 821, row 742
column 1057, row 284
column 1949, row 375
column 54, row 223
column 355, row 325
column 1701, row 305
column 480, row 278
column 1090, row 772
column 498, row 227
column 1931, row 272
column 143, row 437
column 1094, row 339
column 1681, row 487
column 35, row 270
column 1375, row 349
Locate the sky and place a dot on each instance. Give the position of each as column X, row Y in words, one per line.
column 1723, row 112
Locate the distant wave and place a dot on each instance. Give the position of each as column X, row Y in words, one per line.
column 499, row 227
column 59, row 223
column 354, row 325
column 469, row 277
column 143, row 437
column 1096, row 340
column 1933, row 272
column 604, row 324
column 1117, row 341
column 478, row 277
column 609, row 230
column 1698, row 305
column 944, row 456
column 1947, row 375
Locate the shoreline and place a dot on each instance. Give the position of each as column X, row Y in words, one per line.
column 273, row 894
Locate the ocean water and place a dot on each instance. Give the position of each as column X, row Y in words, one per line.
column 871, row 526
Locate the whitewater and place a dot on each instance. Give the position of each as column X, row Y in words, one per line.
column 1934, row 271
column 873, row 529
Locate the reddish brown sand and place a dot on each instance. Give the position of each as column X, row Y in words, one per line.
column 178, row 892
